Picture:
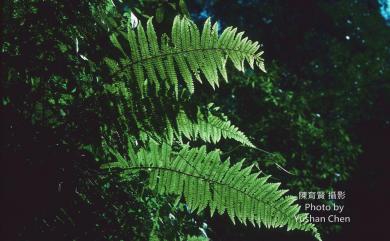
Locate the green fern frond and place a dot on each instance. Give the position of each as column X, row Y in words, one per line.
column 206, row 126
column 209, row 128
column 204, row 180
column 187, row 55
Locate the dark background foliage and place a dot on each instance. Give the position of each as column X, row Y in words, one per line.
column 321, row 112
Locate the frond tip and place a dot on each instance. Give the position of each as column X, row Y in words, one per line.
column 209, row 128
column 204, row 180
column 186, row 55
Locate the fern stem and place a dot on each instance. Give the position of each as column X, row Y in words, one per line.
column 173, row 54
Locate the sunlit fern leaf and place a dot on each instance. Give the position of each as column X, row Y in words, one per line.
column 187, row 55
column 205, row 126
column 206, row 181
column 209, row 128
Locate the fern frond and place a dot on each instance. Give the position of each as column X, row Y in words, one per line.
column 187, row 55
column 204, row 180
column 206, row 126
column 209, row 128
